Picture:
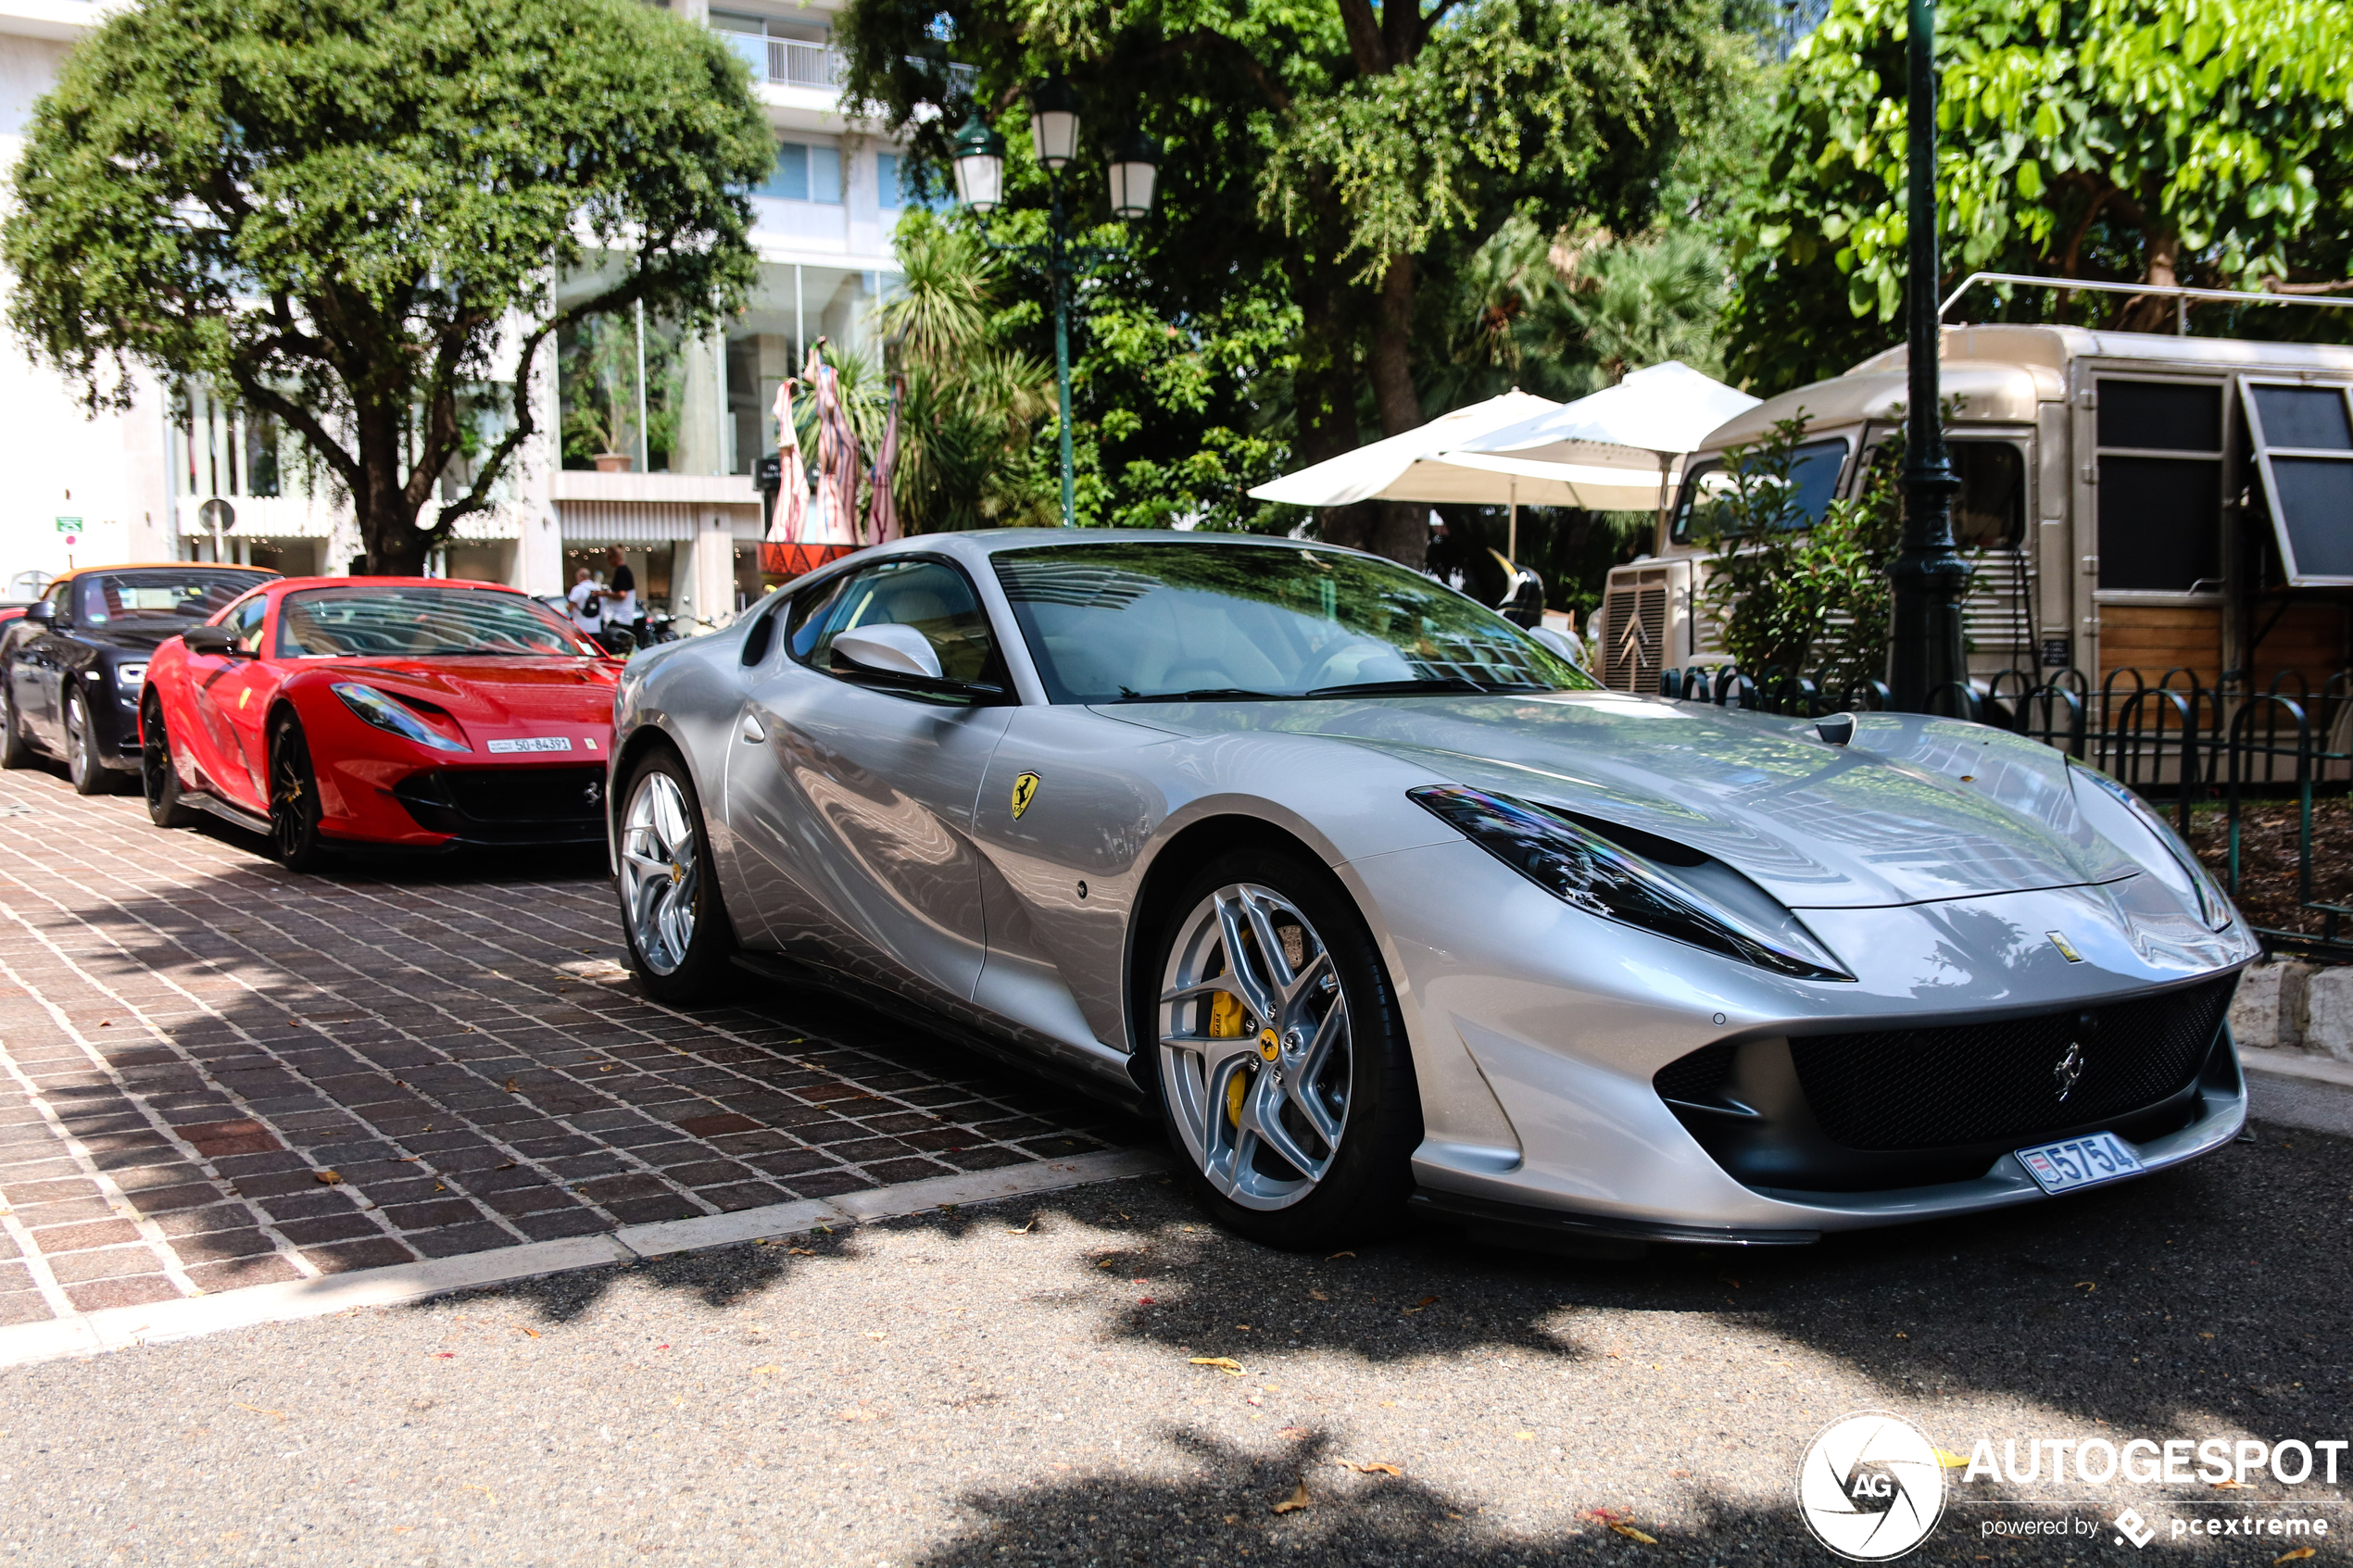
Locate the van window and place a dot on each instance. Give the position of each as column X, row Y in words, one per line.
column 2303, row 441
column 2161, row 485
column 1813, row 483
column 1989, row 511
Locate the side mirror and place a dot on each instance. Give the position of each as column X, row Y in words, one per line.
column 1838, row 729
column 218, row 641
column 889, row 650
column 44, row 612
column 617, row 641
column 1568, row 648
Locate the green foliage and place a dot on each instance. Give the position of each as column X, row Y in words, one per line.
column 2160, row 141
column 1813, row 600
column 1243, row 331
column 334, row 210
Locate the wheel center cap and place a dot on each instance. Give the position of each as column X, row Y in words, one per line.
column 1269, row 1044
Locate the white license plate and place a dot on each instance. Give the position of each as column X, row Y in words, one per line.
column 534, row 743
column 2079, row 1162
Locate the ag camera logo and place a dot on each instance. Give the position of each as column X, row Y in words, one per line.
column 1870, row 1486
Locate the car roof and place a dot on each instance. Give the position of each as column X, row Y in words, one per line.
column 261, row 573
column 293, row 582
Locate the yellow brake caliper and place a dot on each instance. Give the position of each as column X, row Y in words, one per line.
column 1226, row 1018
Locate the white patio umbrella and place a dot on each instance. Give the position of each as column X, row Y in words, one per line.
column 1421, row 466
column 1645, row 421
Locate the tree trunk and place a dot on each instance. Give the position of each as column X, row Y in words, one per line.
column 1392, row 356
column 388, row 520
column 1324, row 398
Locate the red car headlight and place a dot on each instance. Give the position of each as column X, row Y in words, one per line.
column 385, row 714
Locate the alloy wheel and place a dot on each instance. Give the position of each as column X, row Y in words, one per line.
column 660, row 872
column 77, row 759
column 1255, row 1055
column 293, row 801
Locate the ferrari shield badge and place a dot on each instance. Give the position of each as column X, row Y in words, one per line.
column 1024, row 791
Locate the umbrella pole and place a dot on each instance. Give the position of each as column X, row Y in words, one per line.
column 1511, row 524
column 1666, row 498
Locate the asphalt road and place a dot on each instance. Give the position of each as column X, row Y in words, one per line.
column 1017, row 1384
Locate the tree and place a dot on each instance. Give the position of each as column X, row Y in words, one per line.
column 1798, row 598
column 2137, row 141
column 351, row 212
column 1315, row 156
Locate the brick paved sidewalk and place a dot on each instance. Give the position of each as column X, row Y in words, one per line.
column 213, row 1074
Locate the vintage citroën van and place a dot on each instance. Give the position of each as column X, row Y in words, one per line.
column 2129, row 501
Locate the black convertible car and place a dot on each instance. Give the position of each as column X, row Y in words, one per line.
column 71, row 666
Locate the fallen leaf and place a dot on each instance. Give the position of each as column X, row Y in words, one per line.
column 2202, row 1335
column 1730, row 1280
column 508, row 1166
column 856, row 1412
column 1424, row 1301
column 760, row 1371
column 802, row 1252
column 877, row 1334
column 258, row 1411
column 1901, row 1334
column 1225, row 1364
column 1243, row 1326
column 1319, row 1295
column 1631, row 1534
column 1297, row 1500
column 2298, row 1555
column 1340, row 1255
column 488, row 1495
column 1383, row 1467
column 510, row 1087
column 329, row 1177
column 2087, row 1285
column 1524, row 1436
column 1143, row 1300
column 1107, row 1262
column 532, row 1331
column 2230, row 1487
column 445, row 1355
column 1948, row 1459
column 1290, row 1432
column 1019, row 1230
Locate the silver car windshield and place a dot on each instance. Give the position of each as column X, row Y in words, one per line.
column 1145, row 620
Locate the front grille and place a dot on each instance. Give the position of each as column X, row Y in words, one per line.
column 1633, row 638
column 508, row 805
column 1932, row 1088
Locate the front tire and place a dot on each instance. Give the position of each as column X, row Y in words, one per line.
column 680, row 943
column 158, row 778
column 89, row 775
column 15, row 750
column 1284, row 1078
column 295, row 840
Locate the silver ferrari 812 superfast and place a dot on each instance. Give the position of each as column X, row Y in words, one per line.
column 1372, row 898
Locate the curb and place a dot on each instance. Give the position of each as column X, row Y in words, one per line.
column 2297, row 1064
column 119, row 1328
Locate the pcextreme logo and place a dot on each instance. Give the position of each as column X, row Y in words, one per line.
column 1871, row 1486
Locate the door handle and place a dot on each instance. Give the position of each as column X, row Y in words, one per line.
column 751, row 731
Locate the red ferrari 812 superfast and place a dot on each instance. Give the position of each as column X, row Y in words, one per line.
column 395, row 712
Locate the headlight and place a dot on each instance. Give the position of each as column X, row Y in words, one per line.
column 130, row 676
column 2108, row 805
column 385, row 714
column 1588, row 871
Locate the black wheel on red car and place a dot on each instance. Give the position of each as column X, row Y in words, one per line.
column 16, row 751
column 90, row 776
column 158, row 780
column 294, row 799
column 679, row 939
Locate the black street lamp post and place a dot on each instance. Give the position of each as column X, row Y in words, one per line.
column 1134, row 167
column 1929, row 574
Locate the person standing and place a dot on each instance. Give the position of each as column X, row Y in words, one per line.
column 621, row 593
column 588, row 604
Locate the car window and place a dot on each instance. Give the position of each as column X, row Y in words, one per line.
column 420, row 623
column 194, row 593
column 245, row 622
column 59, row 598
column 929, row 595
column 1136, row 620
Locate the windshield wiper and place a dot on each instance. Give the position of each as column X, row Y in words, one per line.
column 1403, row 688
column 1203, row 693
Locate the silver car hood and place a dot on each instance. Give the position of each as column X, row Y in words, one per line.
column 1914, row 809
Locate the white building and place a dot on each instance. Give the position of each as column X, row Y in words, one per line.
column 651, row 440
